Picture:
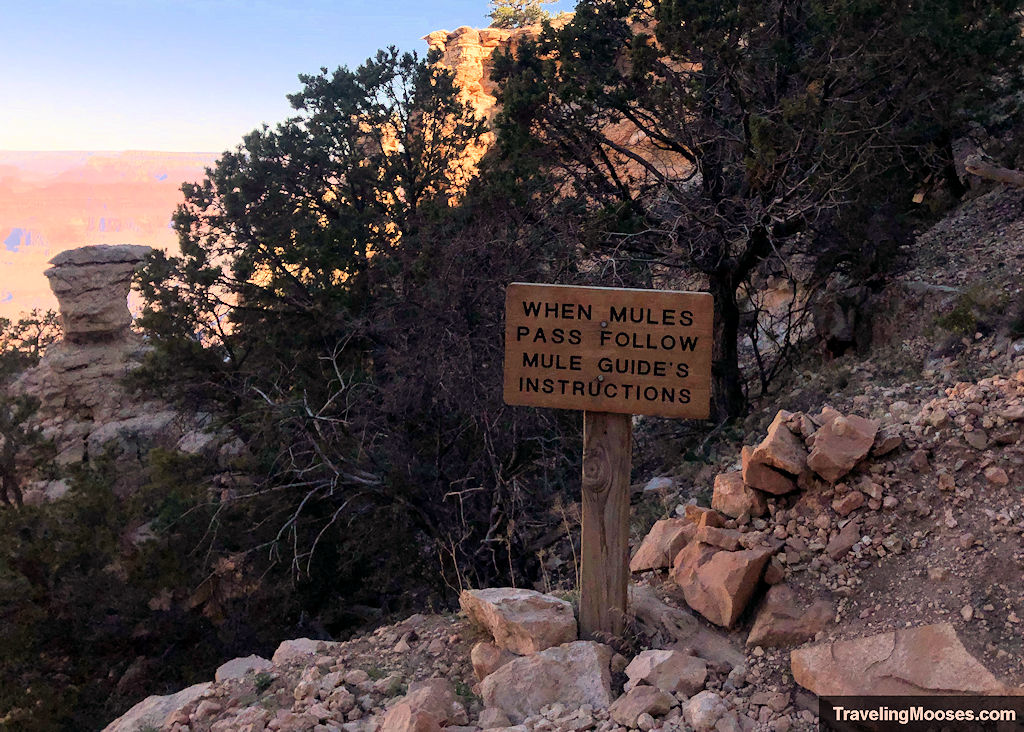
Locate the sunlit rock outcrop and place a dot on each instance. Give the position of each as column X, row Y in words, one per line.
column 85, row 407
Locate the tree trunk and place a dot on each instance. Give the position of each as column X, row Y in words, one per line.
column 975, row 165
column 727, row 400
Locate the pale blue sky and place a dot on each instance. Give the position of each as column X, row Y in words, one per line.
column 186, row 75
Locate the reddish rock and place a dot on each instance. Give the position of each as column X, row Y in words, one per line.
column 919, row 460
column 1013, row 413
column 671, row 671
column 703, row 516
column 722, row 538
column 840, row 444
column 977, row 438
column 784, row 620
column 887, row 440
column 488, row 658
column 428, row 706
column 996, row 476
column 573, row 674
column 493, row 718
column 846, row 504
column 925, row 661
column 522, row 621
column 781, row 449
column 718, row 583
column 844, row 540
column 803, row 425
column 665, row 539
column 762, row 477
column 640, row 700
column 774, row 573
column 734, row 498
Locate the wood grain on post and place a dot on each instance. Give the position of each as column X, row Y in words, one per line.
column 607, row 457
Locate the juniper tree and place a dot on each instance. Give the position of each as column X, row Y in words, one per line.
column 795, row 127
column 518, row 13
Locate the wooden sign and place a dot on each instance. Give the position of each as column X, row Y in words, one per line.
column 604, row 349
column 612, row 353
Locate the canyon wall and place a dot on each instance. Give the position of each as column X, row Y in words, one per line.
column 468, row 53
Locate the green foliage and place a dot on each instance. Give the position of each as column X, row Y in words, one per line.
column 338, row 306
column 792, row 129
column 76, row 597
column 961, row 319
column 277, row 243
column 465, row 692
column 23, row 342
column 22, row 445
column 262, row 681
column 518, row 13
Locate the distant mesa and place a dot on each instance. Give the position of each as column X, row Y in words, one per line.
column 18, row 238
column 53, row 201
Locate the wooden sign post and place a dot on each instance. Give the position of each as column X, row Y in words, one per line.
column 612, row 353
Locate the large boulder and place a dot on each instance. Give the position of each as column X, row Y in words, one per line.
column 840, row 443
column 734, row 498
column 91, row 284
column 718, row 583
column 925, row 661
column 764, row 477
column 151, row 712
column 844, row 541
column 781, row 448
column 237, row 668
column 85, row 406
column 573, row 673
column 665, row 539
column 784, row 620
column 298, row 649
column 429, row 706
column 522, row 621
column 703, row 516
column 671, row 671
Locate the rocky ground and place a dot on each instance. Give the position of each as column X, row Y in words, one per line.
column 837, row 540
column 872, row 542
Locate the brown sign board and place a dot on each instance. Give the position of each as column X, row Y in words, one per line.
column 604, row 349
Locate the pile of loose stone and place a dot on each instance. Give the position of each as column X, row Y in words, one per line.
column 529, row 673
column 719, row 556
column 819, row 499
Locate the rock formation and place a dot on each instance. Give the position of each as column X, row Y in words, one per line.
column 84, row 405
column 521, row 621
column 91, row 285
column 573, row 673
column 912, row 661
column 468, row 53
